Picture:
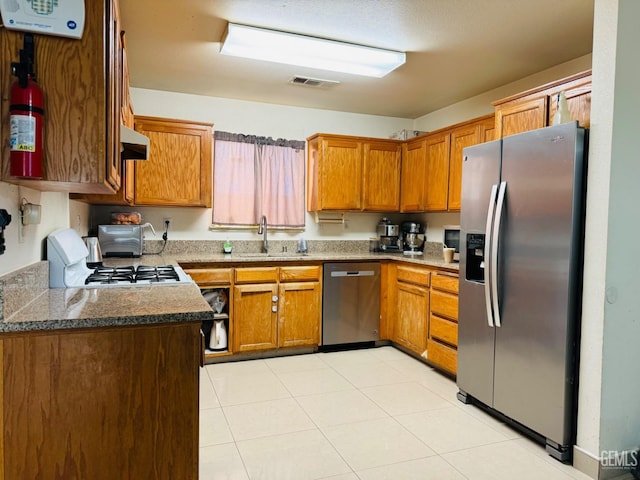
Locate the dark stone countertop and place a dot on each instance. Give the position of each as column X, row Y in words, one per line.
column 30, row 306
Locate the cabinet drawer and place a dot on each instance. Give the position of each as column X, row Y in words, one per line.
column 419, row 276
column 210, row 276
column 300, row 274
column 442, row 356
column 442, row 281
column 443, row 329
column 257, row 275
column 445, row 304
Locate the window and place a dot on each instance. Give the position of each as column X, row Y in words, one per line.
column 255, row 176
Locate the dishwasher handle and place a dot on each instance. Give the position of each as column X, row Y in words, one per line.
column 353, row 273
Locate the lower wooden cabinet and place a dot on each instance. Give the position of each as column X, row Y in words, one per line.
column 299, row 314
column 443, row 322
column 268, row 307
column 412, row 308
column 284, row 311
column 255, row 317
column 101, row 403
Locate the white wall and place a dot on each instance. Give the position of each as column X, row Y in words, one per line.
column 589, row 399
column 620, row 391
column 24, row 251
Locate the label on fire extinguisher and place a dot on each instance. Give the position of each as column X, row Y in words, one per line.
column 22, row 133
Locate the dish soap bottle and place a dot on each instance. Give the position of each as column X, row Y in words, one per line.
column 562, row 114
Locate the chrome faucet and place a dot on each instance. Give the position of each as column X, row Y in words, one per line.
column 262, row 230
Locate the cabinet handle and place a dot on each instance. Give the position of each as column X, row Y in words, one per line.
column 447, row 274
column 202, row 347
column 274, row 298
column 274, row 308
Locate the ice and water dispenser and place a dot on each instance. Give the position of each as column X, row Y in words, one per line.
column 475, row 257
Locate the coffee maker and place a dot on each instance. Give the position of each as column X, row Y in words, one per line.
column 388, row 236
column 413, row 238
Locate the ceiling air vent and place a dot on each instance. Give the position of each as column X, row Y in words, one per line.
column 313, row 82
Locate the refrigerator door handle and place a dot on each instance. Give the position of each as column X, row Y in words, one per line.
column 487, row 249
column 495, row 243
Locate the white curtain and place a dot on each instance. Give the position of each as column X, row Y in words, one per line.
column 254, row 176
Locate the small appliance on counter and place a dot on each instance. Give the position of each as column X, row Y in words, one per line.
column 452, row 240
column 94, row 257
column 120, row 240
column 388, row 236
column 413, row 238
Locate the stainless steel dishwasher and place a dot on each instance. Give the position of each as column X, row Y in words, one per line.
column 350, row 303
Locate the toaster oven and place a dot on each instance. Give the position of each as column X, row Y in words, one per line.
column 120, row 240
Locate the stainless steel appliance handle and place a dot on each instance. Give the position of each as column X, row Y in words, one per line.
column 494, row 252
column 487, row 253
column 361, row 273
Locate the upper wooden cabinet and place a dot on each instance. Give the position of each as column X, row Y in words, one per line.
column 81, row 80
column 412, row 186
column 432, row 165
column 352, row 173
column 177, row 173
column 437, row 171
column 535, row 108
column 478, row 131
column 381, row 179
column 179, row 169
column 334, row 177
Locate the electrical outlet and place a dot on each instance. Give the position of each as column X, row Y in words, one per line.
column 166, row 222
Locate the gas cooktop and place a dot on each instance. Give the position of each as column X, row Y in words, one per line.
column 135, row 276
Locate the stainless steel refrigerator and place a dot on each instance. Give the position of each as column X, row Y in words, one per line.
column 521, row 240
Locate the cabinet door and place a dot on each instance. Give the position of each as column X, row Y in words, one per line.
column 341, row 174
column 488, row 131
column 412, row 313
column 437, row 170
column 101, row 404
column 299, row 314
column 179, row 169
column 255, row 317
column 412, row 182
column 81, row 102
column 460, row 139
column 521, row 116
column 381, row 181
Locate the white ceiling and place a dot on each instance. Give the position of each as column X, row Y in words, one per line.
column 455, row 48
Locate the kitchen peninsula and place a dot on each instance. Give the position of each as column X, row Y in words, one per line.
column 99, row 383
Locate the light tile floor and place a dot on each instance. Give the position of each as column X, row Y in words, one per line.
column 364, row 414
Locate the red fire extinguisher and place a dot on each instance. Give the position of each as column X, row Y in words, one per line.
column 26, row 109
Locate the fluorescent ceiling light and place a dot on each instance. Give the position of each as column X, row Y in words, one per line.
column 312, row 52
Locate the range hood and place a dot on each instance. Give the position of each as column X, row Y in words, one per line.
column 133, row 145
